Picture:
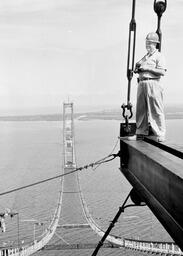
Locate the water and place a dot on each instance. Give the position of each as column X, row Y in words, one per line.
column 29, row 152
column 32, row 151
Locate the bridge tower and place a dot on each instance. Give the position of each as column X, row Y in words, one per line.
column 68, row 135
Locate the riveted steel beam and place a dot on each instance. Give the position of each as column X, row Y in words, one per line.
column 157, row 175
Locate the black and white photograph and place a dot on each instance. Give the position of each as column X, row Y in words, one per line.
column 91, row 121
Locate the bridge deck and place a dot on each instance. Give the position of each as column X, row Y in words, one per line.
column 75, row 240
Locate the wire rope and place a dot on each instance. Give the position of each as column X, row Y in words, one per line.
column 101, row 161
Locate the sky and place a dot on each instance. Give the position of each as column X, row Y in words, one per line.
column 53, row 51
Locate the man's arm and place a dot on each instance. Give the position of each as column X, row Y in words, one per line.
column 154, row 71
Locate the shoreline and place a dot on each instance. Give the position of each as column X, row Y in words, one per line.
column 86, row 117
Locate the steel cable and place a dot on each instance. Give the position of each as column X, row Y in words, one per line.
column 99, row 162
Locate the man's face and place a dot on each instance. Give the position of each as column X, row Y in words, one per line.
column 150, row 46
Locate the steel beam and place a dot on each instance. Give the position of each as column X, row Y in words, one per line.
column 157, row 175
column 71, row 226
column 77, row 246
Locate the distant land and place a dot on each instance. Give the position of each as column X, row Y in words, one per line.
column 171, row 112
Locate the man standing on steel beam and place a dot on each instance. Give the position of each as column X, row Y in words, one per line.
column 150, row 118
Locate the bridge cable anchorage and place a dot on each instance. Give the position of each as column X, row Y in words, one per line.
column 101, row 161
column 137, row 201
column 130, row 64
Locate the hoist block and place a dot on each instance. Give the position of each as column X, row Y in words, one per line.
column 128, row 129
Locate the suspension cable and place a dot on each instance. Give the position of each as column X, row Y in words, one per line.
column 101, row 161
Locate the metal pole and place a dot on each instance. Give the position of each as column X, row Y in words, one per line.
column 34, row 233
column 121, row 209
column 130, row 62
column 158, row 31
column 72, row 131
column 18, row 226
column 64, row 106
column 131, row 50
column 159, row 8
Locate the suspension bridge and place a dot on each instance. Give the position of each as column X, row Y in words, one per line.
column 72, row 230
column 153, row 169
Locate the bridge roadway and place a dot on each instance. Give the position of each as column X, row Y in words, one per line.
column 74, row 213
column 73, row 235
